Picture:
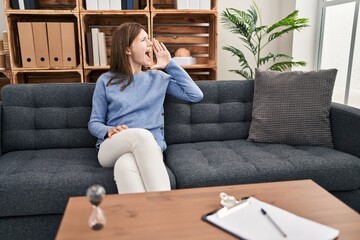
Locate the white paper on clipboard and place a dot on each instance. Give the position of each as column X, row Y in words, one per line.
column 246, row 221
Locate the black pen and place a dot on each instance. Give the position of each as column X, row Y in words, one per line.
column 274, row 223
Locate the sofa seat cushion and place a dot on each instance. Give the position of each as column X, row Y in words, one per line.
column 239, row 161
column 41, row 181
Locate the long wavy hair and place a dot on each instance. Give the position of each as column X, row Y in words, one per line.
column 122, row 38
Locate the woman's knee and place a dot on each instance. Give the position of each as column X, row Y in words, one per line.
column 125, row 164
column 142, row 135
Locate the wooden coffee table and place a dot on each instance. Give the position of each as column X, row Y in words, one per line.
column 177, row 214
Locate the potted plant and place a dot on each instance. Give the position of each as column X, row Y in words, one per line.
column 255, row 36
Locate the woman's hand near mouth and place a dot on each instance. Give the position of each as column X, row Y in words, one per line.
column 162, row 55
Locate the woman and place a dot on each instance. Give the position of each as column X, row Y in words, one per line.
column 127, row 115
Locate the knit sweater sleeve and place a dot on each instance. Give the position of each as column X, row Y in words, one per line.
column 97, row 124
column 181, row 85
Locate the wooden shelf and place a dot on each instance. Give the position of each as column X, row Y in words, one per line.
column 195, row 30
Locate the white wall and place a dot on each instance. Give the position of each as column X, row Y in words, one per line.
column 2, row 19
column 304, row 45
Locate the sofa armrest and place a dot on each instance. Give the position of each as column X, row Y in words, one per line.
column 345, row 127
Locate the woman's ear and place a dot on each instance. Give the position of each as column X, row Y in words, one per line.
column 128, row 52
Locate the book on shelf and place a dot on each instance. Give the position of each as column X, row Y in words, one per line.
column 205, row 4
column 104, row 5
column 26, row 44
column 89, row 49
column 130, row 4
column 21, row 4
column 25, row 4
column 68, row 44
column 102, row 49
column 55, row 46
column 15, row 4
column 95, row 44
column 40, row 44
column 182, row 4
column 31, row 4
column 92, row 5
column 193, row 4
column 115, row 4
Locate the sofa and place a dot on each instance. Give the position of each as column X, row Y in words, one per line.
column 48, row 154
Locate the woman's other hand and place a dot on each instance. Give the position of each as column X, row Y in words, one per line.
column 162, row 55
column 115, row 130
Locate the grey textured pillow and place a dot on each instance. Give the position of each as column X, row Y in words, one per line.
column 292, row 107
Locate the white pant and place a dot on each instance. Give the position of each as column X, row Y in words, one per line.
column 137, row 160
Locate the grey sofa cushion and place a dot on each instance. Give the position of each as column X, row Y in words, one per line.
column 292, row 107
column 34, row 182
column 239, row 161
column 223, row 114
column 40, row 116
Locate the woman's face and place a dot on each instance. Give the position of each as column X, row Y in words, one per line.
column 139, row 52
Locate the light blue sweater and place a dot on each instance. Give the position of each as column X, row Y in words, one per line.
column 140, row 105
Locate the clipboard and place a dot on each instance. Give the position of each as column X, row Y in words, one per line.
column 245, row 220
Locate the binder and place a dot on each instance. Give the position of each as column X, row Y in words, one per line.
column 15, row 4
column 104, row 5
column 136, row 4
column 22, row 4
column 205, row 4
column 89, row 49
column 115, row 4
column 68, row 44
column 254, row 219
column 124, row 4
column 92, row 5
column 102, row 49
column 194, row 4
column 54, row 42
column 95, row 44
column 182, row 4
column 31, row 4
column 26, row 44
column 129, row 5
column 40, row 44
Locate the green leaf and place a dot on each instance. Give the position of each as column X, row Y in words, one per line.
column 282, row 66
column 244, row 74
column 273, row 57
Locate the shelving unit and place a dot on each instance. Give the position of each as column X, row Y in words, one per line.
column 195, row 30
column 106, row 21
column 50, row 11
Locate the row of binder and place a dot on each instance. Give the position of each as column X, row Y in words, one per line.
column 96, row 48
column 47, row 44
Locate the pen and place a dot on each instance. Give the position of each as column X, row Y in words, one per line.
column 273, row 222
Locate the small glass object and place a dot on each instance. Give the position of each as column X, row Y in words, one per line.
column 96, row 193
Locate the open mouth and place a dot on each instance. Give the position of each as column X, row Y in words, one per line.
column 148, row 54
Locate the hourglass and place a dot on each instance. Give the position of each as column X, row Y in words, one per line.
column 95, row 193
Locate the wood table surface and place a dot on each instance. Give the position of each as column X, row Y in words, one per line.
column 177, row 214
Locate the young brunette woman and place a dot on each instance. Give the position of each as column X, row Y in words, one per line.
column 127, row 114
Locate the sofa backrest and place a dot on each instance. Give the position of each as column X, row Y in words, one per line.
column 40, row 116
column 223, row 114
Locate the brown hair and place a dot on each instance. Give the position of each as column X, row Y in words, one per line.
column 120, row 66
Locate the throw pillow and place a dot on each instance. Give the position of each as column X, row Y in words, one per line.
column 292, row 107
